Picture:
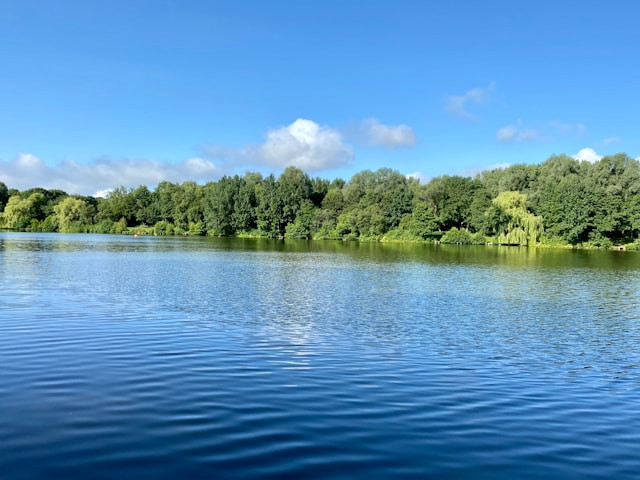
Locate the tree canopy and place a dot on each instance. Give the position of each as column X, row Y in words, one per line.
column 561, row 200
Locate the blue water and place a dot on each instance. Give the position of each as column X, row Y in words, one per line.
column 227, row 358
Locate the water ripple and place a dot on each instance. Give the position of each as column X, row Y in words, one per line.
column 208, row 358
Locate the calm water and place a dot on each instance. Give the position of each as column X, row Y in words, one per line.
column 219, row 358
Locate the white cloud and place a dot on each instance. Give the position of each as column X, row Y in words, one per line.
column 421, row 177
column 303, row 144
column 103, row 193
column 458, row 104
column 29, row 161
column 587, row 155
column 391, row 136
column 201, row 168
column 517, row 133
column 99, row 176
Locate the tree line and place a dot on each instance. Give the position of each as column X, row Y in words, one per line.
column 560, row 201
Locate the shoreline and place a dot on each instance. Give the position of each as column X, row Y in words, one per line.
column 140, row 232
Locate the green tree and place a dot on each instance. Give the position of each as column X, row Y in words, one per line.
column 244, row 207
column 220, row 206
column 517, row 225
column 118, row 205
column 304, row 223
column 293, row 188
column 49, row 198
column 163, row 201
column 421, row 222
column 331, row 208
column 374, row 202
column 143, row 211
column 73, row 215
column 451, row 199
column 269, row 208
column 188, row 205
column 19, row 212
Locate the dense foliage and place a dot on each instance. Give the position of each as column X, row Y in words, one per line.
column 561, row 201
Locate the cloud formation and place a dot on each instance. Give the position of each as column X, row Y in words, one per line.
column 458, row 105
column 390, row 136
column 587, row 155
column 517, row 133
column 303, row 144
column 306, row 145
column 99, row 176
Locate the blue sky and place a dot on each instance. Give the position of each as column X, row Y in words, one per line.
column 94, row 95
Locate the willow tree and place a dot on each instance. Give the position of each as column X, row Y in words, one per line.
column 19, row 213
column 73, row 214
column 516, row 225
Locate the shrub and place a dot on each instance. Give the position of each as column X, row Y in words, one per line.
column 454, row 235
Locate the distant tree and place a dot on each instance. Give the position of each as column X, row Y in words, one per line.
column 119, row 204
column 73, row 214
column 420, row 224
column 517, row 226
column 374, row 202
column 244, row 210
column 20, row 212
column 451, row 199
column 220, row 206
column 269, row 208
column 561, row 199
column 331, row 208
column 293, row 188
column 163, row 201
column 142, row 203
column 421, row 221
column 188, row 205
column 303, row 226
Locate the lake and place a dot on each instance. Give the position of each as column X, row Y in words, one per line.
column 128, row 357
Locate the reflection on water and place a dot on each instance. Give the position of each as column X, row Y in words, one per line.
column 207, row 357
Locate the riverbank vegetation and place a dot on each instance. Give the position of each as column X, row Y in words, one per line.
column 562, row 201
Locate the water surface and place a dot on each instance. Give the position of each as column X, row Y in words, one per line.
column 231, row 358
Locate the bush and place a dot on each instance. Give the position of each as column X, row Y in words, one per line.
column 163, row 228
column 196, row 228
column 401, row 235
column 49, row 224
column 460, row 237
column 478, row 239
column 296, row 230
column 119, row 226
column 104, row 226
column 596, row 239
